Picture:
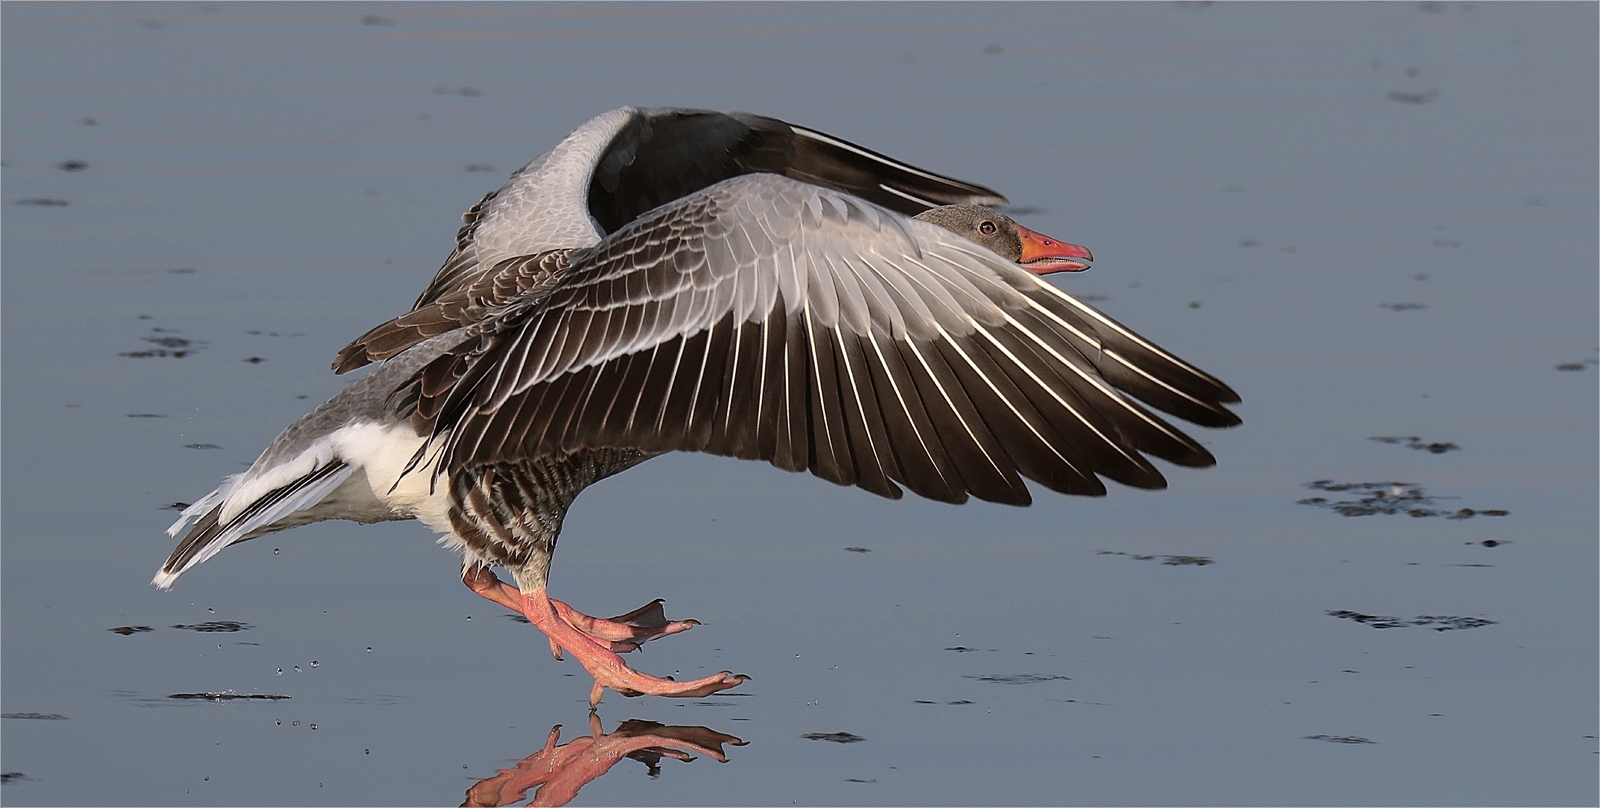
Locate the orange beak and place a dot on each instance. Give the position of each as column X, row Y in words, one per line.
column 1043, row 255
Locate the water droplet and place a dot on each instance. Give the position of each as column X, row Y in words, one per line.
column 368, row 751
column 369, row 649
column 280, row 671
column 295, row 724
column 313, row 726
column 297, row 669
column 211, row 610
column 276, row 551
column 469, row 618
column 278, row 723
column 796, row 656
column 315, row 663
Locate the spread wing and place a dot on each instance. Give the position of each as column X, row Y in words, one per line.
column 653, row 158
column 770, row 319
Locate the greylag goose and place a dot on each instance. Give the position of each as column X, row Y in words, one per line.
column 676, row 280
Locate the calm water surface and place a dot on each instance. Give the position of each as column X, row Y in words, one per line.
column 1374, row 221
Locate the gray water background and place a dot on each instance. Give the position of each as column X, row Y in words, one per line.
column 1257, row 181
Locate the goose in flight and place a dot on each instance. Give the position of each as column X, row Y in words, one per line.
column 679, row 280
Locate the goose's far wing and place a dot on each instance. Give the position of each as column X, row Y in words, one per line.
column 770, row 319
column 616, row 168
column 662, row 155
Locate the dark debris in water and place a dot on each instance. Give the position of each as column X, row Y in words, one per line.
column 145, row 415
column 35, row 716
column 1414, row 98
column 1015, row 678
column 858, row 780
column 833, row 737
column 228, row 696
column 201, row 446
column 1340, row 738
column 858, row 549
column 1402, row 306
column 126, row 630
column 217, row 626
column 1166, row 560
column 1388, row 498
column 72, row 165
column 962, row 649
column 165, row 345
column 1414, row 442
column 1435, row 622
column 12, row 777
column 43, row 202
column 176, row 506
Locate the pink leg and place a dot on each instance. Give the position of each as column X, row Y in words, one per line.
column 598, row 659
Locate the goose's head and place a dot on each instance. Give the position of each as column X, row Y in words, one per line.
column 1035, row 252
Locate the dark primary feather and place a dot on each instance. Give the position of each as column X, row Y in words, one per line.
column 767, row 319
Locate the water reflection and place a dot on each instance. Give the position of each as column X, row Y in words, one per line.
column 559, row 770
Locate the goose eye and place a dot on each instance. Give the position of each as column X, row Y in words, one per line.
column 986, row 227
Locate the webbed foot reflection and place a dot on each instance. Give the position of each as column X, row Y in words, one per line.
column 559, row 770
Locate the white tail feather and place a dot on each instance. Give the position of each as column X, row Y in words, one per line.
column 249, row 521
